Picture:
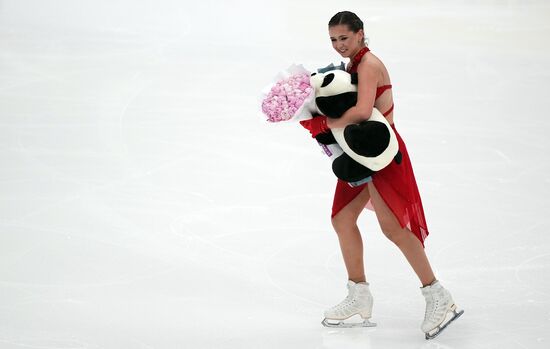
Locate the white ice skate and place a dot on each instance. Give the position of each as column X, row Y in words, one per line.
column 358, row 301
column 440, row 309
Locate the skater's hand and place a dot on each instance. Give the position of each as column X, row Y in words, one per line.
column 316, row 126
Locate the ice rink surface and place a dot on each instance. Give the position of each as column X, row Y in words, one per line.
column 144, row 202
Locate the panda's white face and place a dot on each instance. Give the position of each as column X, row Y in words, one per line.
column 335, row 92
column 332, row 83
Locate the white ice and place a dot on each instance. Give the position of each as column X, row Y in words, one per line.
column 144, row 203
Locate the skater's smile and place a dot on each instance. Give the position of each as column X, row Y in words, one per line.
column 344, row 41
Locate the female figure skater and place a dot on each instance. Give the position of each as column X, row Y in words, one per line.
column 392, row 192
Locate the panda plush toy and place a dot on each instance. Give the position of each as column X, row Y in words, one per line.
column 368, row 146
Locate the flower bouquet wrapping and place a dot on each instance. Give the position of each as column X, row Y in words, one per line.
column 291, row 97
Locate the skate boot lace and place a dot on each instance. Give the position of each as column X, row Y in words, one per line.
column 435, row 305
column 354, row 299
column 345, row 303
column 431, row 308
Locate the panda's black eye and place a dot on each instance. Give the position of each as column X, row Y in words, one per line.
column 313, row 74
column 328, row 79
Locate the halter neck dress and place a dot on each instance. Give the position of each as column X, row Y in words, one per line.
column 395, row 183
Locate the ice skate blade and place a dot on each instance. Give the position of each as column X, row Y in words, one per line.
column 456, row 315
column 342, row 324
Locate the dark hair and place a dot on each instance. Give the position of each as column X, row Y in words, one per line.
column 348, row 18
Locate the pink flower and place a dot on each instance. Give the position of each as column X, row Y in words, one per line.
column 287, row 96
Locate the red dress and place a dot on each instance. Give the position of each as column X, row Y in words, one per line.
column 395, row 183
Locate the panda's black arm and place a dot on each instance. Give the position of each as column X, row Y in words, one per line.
column 326, row 138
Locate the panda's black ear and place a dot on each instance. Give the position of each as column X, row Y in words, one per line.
column 354, row 78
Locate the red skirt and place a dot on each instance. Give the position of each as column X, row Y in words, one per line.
column 397, row 187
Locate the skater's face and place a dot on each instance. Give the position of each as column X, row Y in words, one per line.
column 344, row 41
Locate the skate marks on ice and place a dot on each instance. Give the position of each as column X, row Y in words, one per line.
column 531, row 268
column 44, row 344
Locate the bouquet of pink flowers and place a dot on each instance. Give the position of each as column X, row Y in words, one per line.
column 290, row 97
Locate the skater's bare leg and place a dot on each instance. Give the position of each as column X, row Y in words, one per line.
column 349, row 236
column 407, row 242
column 359, row 299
